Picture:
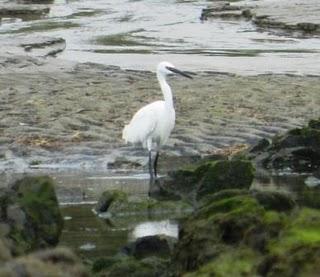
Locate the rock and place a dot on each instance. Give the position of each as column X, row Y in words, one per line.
column 123, row 164
column 273, row 200
column 223, row 9
column 143, row 247
column 219, row 175
column 45, row 46
column 296, row 252
column 310, row 197
column 196, row 181
column 129, row 266
column 247, row 229
column 298, row 150
column 23, row 11
column 56, row 262
column 30, row 214
column 260, row 146
column 285, row 17
column 206, row 234
column 107, row 198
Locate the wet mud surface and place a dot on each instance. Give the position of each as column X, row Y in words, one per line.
column 74, row 113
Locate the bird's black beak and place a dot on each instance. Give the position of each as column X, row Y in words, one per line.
column 174, row 70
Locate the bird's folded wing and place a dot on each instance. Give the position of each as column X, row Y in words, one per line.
column 141, row 126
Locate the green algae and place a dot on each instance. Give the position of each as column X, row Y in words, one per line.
column 43, row 221
column 234, row 233
column 234, row 262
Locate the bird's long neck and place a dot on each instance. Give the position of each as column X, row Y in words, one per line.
column 166, row 90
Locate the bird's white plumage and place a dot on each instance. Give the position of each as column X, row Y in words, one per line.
column 153, row 123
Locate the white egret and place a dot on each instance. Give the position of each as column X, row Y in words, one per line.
column 152, row 124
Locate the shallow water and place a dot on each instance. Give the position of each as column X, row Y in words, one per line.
column 138, row 34
column 93, row 236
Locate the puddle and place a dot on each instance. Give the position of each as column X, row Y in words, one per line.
column 91, row 236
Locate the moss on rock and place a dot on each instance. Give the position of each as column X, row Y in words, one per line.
column 129, row 266
column 219, row 175
column 207, row 177
column 31, row 212
column 240, row 233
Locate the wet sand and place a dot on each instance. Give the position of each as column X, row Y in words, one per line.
column 56, row 112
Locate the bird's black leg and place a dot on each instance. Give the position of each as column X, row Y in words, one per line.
column 150, row 167
column 155, row 165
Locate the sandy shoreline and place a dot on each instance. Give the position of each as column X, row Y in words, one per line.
column 66, row 112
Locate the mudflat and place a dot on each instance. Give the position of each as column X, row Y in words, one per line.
column 53, row 108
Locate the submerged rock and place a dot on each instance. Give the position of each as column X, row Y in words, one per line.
column 30, row 215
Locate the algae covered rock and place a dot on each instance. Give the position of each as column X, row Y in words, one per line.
column 219, row 175
column 310, row 196
column 129, row 266
column 244, row 233
column 224, row 222
column 296, row 251
column 31, row 213
column 207, row 177
column 273, row 200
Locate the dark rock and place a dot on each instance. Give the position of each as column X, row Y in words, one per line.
column 314, row 124
column 260, row 146
column 310, row 197
column 273, row 200
column 223, row 9
column 143, row 247
column 308, row 27
column 298, row 150
column 107, row 198
column 123, row 164
column 23, row 11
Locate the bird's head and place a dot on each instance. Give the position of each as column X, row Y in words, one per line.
column 166, row 68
